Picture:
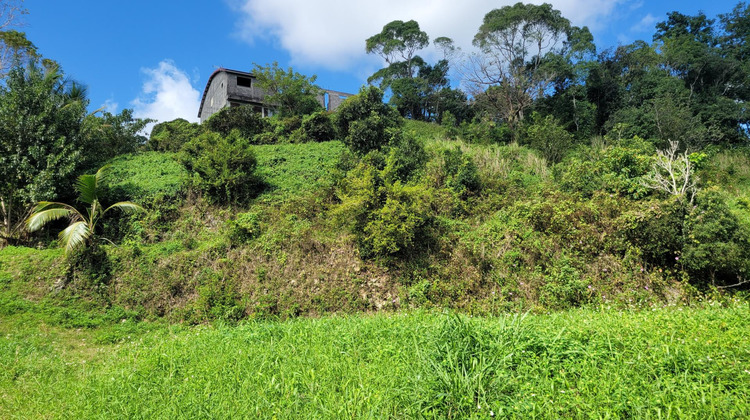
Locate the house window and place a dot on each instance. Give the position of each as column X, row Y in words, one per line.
column 244, row 82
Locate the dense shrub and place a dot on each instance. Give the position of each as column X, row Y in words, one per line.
column 364, row 120
column 655, row 229
column 386, row 217
column 242, row 118
column 615, row 169
column 482, row 130
column 459, row 172
column 405, row 157
column 222, row 167
column 318, row 127
column 243, row 228
column 170, row 136
column 547, row 136
column 717, row 247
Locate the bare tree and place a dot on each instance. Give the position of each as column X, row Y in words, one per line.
column 14, row 46
column 509, row 73
column 673, row 173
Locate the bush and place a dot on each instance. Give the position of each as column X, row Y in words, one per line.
column 364, row 120
column 615, row 169
column 717, row 248
column 318, row 127
column 170, row 136
column 459, row 172
column 222, row 167
column 387, row 218
column 485, row 131
column 242, row 118
column 244, row 228
column 406, row 156
column 548, row 137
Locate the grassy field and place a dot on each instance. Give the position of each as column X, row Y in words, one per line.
column 673, row 362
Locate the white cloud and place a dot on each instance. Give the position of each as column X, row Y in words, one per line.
column 647, row 23
column 331, row 33
column 167, row 94
column 110, row 105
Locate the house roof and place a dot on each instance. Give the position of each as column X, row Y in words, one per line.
column 211, row 78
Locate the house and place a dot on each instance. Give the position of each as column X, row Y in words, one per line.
column 227, row 87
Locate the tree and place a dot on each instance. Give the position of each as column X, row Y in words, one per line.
column 514, row 41
column 398, row 44
column 40, row 140
column 290, row 92
column 15, row 48
column 110, row 135
column 415, row 85
column 673, row 173
column 82, row 228
column 170, row 136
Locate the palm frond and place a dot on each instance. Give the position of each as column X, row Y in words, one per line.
column 46, row 212
column 75, row 235
column 86, row 187
column 126, row 206
column 101, row 176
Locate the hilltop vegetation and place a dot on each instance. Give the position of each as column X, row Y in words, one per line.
column 568, row 237
column 614, row 178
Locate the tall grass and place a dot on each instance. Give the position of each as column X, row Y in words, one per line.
column 664, row 363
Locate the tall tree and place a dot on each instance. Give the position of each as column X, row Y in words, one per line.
column 398, row 44
column 15, row 48
column 292, row 93
column 514, row 41
column 40, row 139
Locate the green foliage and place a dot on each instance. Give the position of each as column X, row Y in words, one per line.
column 717, row 247
column 388, row 217
column 244, row 228
column 289, row 92
column 547, row 136
column 218, row 299
column 365, row 122
column 81, row 232
column 617, row 169
column 458, row 172
column 400, row 224
column 318, row 127
column 405, row 157
column 296, row 170
column 485, row 131
column 170, row 136
column 112, row 135
column 41, row 145
column 656, row 229
column 222, row 167
column 244, row 119
column 145, row 176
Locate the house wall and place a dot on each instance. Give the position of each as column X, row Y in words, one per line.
column 216, row 96
column 238, row 93
column 224, row 91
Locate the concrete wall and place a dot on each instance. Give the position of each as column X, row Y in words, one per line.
column 251, row 94
column 216, row 96
column 224, row 91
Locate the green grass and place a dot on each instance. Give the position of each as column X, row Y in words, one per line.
column 146, row 175
column 674, row 362
column 292, row 170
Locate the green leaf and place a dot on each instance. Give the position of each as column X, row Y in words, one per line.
column 46, row 212
column 126, row 206
column 75, row 235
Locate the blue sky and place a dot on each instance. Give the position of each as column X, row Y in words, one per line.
column 156, row 56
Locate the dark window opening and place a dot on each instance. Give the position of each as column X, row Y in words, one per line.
column 244, row 82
